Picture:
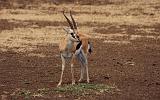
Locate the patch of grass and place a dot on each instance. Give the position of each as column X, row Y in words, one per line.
column 28, row 94
column 84, row 88
column 22, row 93
column 81, row 89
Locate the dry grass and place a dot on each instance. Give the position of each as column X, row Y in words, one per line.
column 22, row 38
column 117, row 13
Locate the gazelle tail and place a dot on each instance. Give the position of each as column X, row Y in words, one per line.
column 90, row 47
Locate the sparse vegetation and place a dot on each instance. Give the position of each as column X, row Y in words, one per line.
column 84, row 88
column 76, row 90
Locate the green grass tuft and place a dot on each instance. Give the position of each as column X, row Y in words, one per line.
column 76, row 90
column 86, row 88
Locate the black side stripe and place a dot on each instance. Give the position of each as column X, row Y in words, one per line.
column 90, row 48
column 78, row 45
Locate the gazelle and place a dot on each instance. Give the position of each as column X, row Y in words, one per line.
column 74, row 46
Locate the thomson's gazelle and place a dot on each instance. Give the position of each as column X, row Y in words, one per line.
column 74, row 46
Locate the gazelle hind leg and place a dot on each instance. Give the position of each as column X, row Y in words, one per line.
column 63, row 66
column 86, row 65
column 84, row 62
column 82, row 73
column 80, row 58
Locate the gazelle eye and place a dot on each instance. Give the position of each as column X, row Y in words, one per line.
column 71, row 33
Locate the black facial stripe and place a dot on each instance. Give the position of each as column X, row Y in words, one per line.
column 77, row 36
column 73, row 35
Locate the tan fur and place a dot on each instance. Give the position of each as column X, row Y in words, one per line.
column 85, row 39
column 62, row 44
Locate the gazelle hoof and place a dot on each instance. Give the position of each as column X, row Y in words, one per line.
column 87, row 80
column 80, row 80
column 73, row 83
column 59, row 84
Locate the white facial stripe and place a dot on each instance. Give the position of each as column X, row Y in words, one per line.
column 70, row 31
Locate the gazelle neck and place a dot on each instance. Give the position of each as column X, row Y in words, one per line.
column 69, row 43
column 67, row 52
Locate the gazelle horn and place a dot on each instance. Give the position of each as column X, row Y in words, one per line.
column 69, row 22
column 74, row 23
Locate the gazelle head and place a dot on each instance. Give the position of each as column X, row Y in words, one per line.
column 72, row 31
column 71, row 35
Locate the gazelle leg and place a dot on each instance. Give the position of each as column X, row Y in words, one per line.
column 82, row 73
column 87, row 73
column 86, row 67
column 72, row 72
column 63, row 66
column 84, row 63
column 72, row 69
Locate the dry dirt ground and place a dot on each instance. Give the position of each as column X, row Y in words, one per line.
column 126, row 54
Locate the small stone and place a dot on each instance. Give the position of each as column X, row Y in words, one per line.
column 153, row 64
column 3, row 97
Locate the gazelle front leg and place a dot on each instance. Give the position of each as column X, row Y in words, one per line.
column 87, row 73
column 63, row 66
column 72, row 72
column 72, row 69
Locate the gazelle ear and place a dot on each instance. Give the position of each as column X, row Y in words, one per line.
column 68, row 30
column 65, row 29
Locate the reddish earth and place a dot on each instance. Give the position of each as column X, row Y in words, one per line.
column 133, row 68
